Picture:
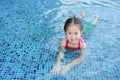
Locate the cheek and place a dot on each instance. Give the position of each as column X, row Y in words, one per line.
column 78, row 36
column 67, row 36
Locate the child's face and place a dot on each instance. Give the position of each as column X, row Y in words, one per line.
column 73, row 33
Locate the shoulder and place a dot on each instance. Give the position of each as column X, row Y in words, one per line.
column 63, row 43
column 83, row 45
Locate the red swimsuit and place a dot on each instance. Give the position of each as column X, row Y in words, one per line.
column 78, row 48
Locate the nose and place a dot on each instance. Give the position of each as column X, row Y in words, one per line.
column 73, row 36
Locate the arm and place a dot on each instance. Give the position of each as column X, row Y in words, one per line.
column 78, row 60
column 74, row 62
column 60, row 55
column 56, row 69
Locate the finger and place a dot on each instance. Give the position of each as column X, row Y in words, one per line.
column 62, row 67
column 57, row 72
column 53, row 71
column 62, row 72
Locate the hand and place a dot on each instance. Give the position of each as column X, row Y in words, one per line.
column 65, row 69
column 56, row 69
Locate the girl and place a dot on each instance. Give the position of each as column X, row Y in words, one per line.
column 74, row 41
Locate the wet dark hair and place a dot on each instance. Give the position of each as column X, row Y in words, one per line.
column 73, row 20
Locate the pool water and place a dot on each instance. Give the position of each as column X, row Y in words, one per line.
column 31, row 30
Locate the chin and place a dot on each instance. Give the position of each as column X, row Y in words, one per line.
column 73, row 42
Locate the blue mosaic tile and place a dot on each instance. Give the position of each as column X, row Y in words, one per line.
column 30, row 33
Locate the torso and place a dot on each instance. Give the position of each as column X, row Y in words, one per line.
column 71, row 47
column 75, row 47
column 81, row 44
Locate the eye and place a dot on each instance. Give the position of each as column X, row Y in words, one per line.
column 69, row 33
column 76, row 33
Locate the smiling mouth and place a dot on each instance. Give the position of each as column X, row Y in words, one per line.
column 73, row 40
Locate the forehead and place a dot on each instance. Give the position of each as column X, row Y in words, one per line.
column 73, row 27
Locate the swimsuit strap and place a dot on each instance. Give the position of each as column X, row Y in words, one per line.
column 66, row 46
column 82, row 40
column 78, row 44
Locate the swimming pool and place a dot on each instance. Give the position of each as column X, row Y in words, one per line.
column 30, row 32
